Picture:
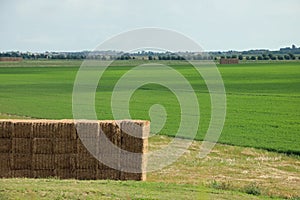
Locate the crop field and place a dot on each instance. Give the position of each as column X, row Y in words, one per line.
column 260, row 142
column 262, row 99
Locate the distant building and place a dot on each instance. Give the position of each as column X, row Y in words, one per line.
column 11, row 58
column 229, row 61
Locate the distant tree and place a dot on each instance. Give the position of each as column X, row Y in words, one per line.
column 233, row 56
column 222, row 56
column 272, row 57
column 287, row 57
column 240, row 57
column 228, row 56
column 292, row 56
column 247, row 58
column 265, row 57
column 279, row 57
column 150, row 58
column 253, row 58
column 259, row 57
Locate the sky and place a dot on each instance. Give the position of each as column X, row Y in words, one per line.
column 76, row 25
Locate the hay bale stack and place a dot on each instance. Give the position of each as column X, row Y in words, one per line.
column 63, row 148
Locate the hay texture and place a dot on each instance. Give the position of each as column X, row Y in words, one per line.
column 6, row 129
column 5, row 145
column 42, row 145
column 68, row 149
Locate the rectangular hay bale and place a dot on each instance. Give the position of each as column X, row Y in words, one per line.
column 6, row 129
column 42, row 146
column 65, row 161
column 65, row 145
column 22, row 145
column 44, row 129
column 20, row 161
column 86, row 161
column 5, row 145
column 42, row 161
column 66, row 129
column 22, row 129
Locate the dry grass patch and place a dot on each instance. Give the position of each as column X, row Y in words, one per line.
column 230, row 167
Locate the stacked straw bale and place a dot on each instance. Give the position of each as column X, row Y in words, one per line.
column 65, row 149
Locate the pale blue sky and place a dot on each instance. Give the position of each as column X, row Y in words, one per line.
column 74, row 25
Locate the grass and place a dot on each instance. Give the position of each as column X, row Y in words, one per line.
column 73, row 189
column 262, row 99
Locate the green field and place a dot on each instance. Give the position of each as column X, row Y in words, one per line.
column 262, row 112
column 262, row 99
